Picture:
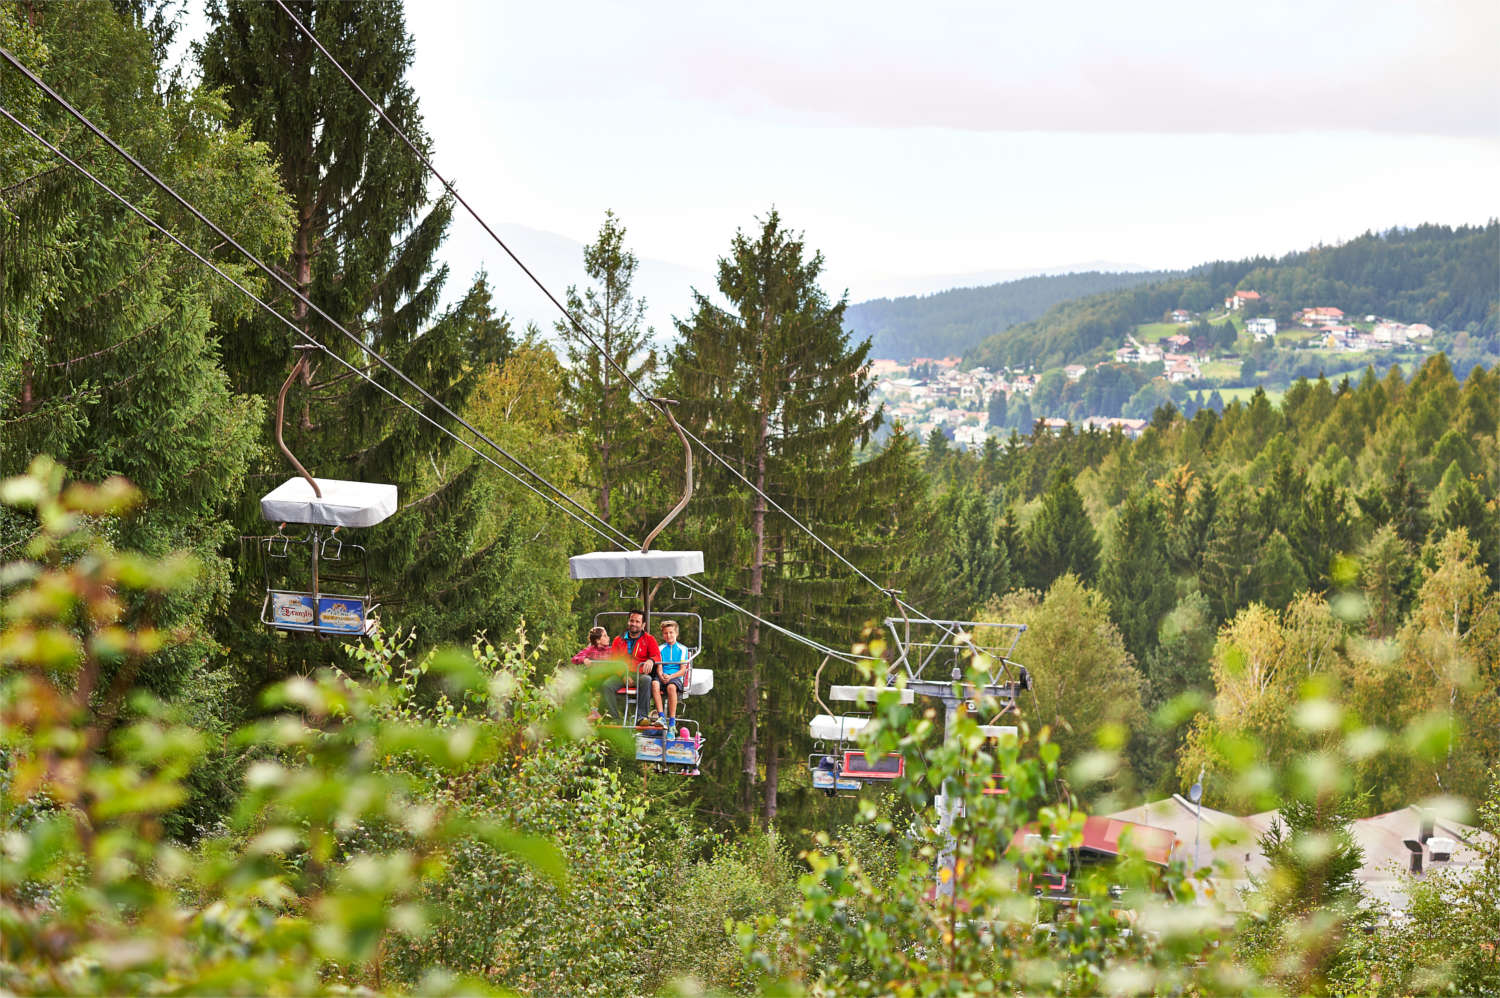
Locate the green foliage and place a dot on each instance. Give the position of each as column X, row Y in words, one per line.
column 289, row 899
column 1085, row 680
column 950, row 322
column 1434, row 274
column 1060, row 539
column 944, row 908
column 111, row 356
column 976, row 567
column 624, row 456
column 1309, row 892
column 774, row 381
column 1136, row 578
column 1445, row 943
column 364, row 249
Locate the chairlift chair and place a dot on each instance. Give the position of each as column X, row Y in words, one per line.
column 332, row 596
column 674, row 752
column 836, row 765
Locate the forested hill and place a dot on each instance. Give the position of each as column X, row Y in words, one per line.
column 951, row 322
column 1442, row 276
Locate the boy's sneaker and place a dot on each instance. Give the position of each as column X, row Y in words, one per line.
column 654, row 719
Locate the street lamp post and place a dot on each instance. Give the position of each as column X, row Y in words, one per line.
column 1195, row 794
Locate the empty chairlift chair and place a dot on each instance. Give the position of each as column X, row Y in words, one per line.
column 317, row 582
column 837, row 765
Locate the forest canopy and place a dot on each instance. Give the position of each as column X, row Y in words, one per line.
column 1295, row 602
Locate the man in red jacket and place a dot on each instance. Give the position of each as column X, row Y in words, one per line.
column 639, row 649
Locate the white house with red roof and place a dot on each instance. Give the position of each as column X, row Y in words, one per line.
column 1240, row 299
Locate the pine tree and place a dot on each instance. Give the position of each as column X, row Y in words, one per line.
column 1320, row 530
column 774, row 382
column 1060, row 539
column 598, row 398
column 1228, row 572
column 996, row 410
column 989, row 465
column 364, row 250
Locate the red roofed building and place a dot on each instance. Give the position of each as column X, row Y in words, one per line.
column 1240, row 299
column 1320, row 316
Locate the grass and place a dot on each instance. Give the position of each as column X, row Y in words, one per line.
column 1221, row 369
column 1244, row 394
column 1150, row 332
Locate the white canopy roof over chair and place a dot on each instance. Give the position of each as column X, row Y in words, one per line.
column 342, row 504
column 635, row 564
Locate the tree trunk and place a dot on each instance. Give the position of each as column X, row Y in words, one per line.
column 773, row 760
column 757, row 580
column 302, row 275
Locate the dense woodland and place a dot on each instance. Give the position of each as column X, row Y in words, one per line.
column 1434, row 274
column 950, row 323
column 195, row 802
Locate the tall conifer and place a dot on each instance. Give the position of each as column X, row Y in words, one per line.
column 774, row 383
column 599, row 400
column 1060, row 539
column 108, row 355
column 364, row 250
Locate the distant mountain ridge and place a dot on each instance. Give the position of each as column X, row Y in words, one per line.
column 950, row 323
column 1435, row 274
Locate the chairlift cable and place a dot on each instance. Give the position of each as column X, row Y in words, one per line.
column 646, row 396
column 273, row 274
column 293, row 326
column 626, row 544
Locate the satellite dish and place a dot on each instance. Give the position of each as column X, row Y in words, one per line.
column 1195, row 792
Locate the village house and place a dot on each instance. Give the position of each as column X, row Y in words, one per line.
column 1182, row 316
column 1132, row 428
column 1179, row 341
column 969, row 437
column 1240, row 299
column 1262, row 329
column 1074, row 371
column 1320, row 316
column 1181, row 367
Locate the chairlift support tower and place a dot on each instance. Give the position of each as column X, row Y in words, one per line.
column 931, row 659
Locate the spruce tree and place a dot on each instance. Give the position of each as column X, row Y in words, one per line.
column 1060, row 539
column 598, row 399
column 364, row 250
column 1137, row 576
column 774, row 383
column 110, row 358
column 1309, row 907
column 974, row 568
column 1320, row 529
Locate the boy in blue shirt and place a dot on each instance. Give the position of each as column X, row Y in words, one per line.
column 671, row 674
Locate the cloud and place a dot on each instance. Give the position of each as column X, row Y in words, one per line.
column 1161, row 67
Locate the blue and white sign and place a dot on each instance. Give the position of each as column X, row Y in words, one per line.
column 683, row 751
column 328, row 614
column 293, row 610
column 341, row 614
column 647, row 748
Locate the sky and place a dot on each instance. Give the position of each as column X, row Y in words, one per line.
column 952, row 142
